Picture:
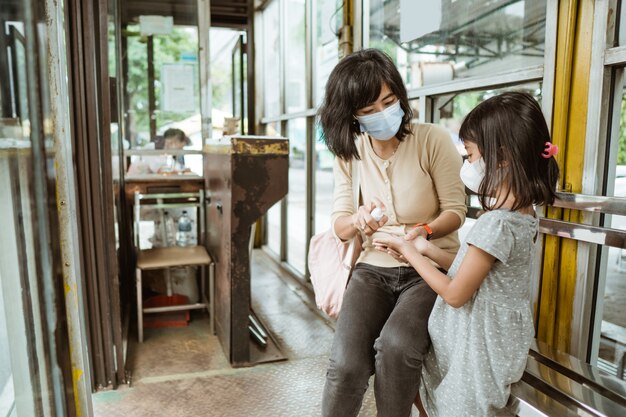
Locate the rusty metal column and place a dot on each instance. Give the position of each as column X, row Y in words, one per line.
column 90, row 119
column 67, row 208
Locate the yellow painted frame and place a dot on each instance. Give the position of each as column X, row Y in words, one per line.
column 571, row 88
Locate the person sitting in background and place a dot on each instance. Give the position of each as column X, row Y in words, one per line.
column 172, row 139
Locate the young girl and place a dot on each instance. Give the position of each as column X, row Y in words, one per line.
column 481, row 325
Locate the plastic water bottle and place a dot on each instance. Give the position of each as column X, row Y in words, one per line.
column 184, row 230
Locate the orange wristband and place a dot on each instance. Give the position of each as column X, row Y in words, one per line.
column 429, row 231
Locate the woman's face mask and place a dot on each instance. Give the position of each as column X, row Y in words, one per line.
column 383, row 125
column 473, row 173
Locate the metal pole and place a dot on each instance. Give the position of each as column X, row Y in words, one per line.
column 151, row 94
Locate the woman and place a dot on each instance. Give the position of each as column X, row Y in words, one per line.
column 411, row 173
column 172, row 139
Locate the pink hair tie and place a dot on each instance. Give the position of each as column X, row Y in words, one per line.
column 550, row 150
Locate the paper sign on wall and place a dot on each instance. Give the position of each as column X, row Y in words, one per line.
column 155, row 25
column 177, row 88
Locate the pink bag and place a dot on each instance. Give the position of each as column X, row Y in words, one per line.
column 331, row 260
column 330, row 264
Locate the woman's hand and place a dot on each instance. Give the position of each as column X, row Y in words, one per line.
column 363, row 221
column 415, row 232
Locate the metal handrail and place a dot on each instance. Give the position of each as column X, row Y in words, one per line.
column 555, row 383
column 584, row 233
column 592, row 203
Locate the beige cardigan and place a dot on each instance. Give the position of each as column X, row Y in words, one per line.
column 416, row 184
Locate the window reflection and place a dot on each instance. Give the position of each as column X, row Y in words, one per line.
column 621, row 36
column 296, row 198
column 611, row 356
column 324, row 183
column 273, row 216
column 27, row 384
column 436, row 41
column 272, row 129
column 175, row 70
column 612, row 310
column 328, row 15
column 295, row 65
column 271, row 56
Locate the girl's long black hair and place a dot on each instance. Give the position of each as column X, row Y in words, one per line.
column 510, row 132
column 354, row 83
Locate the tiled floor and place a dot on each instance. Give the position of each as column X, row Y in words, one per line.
column 183, row 372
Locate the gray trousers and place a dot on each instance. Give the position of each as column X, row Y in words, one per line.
column 383, row 330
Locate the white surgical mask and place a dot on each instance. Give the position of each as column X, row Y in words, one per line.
column 382, row 125
column 473, row 173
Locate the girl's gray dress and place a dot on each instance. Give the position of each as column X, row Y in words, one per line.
column 480, row 349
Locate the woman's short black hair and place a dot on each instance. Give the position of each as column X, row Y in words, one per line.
column 354, row 83
column 178, row 134
column 510, row 132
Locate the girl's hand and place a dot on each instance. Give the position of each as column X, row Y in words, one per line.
column 394, row 246
column 421, row 244
column 396, row 255
column 363, row 221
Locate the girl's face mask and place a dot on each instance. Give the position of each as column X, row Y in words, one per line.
column 473, row 173
column 382, row 125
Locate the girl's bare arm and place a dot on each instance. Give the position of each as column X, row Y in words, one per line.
column 457, row 291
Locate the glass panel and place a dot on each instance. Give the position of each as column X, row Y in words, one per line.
column 28, row 387
column 622, row 24
column 165, row 114
column 7, row 393
column 175, row 85
column 415, row 107
column 137, row 131
column 295, row 47
column 274, row 226
column 328, row 17
column 223, row 55
column 611, row 356
column 15, row 149
column 432, row 44
column 271, row 60
column 449, row 111
column 116, row 134
column 296, row 198
column 272, row 129
column 324, row 183
column 237, row 82
column 612, row 310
